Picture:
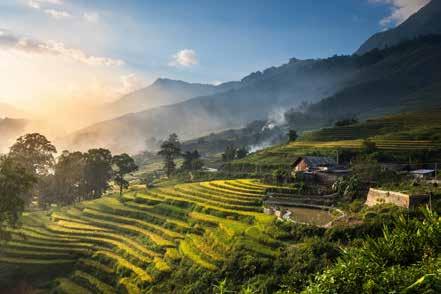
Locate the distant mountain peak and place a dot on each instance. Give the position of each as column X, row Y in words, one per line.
column 166, row 82
column 427, row 21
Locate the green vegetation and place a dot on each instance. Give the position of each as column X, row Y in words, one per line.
column 136, row 243
column 170, row 150
column 414, row 136
column 15, row 180
column 405, row 260
column 124, row 165
column 206, row 237
column 211, row 236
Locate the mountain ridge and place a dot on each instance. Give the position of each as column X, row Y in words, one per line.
column 162, row 91
column 424, row 22
column 287, row 85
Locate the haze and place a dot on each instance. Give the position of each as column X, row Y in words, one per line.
column 60, row 60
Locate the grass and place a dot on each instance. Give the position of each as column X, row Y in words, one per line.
column 34, row 261
column 202, row 246
column 120, row 262
column 67, row 286
column 93, row 264
column 124, row 246
column 401, row 133
column 194, row 255
column 95, row 283
column 129, row 287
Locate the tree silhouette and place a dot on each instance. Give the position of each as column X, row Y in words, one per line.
column 170, row 150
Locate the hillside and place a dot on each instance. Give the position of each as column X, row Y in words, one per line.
column 403, row 77
column 424, row 22
column 404, row 133
column 161, row 92
column 128, row 246
column 257, row 95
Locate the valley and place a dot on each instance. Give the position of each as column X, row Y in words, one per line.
column 181, row 148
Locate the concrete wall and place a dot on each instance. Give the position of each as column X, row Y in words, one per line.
column 376, row 196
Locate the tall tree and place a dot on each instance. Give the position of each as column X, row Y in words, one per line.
column 97, row 172
column 66, row 185
column 15, row 180
column 241, row 153
column 35, row 153
column 229, row 154
column 170, row 150
column 292, row 135
column 192, row 161
column 123, row 164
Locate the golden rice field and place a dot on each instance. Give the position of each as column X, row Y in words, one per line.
column 113, row 245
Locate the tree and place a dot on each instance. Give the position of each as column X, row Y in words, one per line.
column 35, row 153
column 15, row 180
column 366, row 169
column 123, row 164
column 346, row 122
column 170, row 150
column 192, row 161
column 66, row 186
column 281, row 176
column 229, row 154
column 241, row 153
column 292, row 135
column 97, row 172
column 369, row 147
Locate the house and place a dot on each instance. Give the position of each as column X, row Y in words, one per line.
column 314, row 163
column 423, row 173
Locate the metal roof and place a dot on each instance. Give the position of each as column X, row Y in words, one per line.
column 422, row 171
column 316, row 161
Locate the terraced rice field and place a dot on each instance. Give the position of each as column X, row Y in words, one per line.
column 394, row 145
column 110, row 245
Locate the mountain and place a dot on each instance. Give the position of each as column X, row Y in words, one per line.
column 161, row 92
column 400, row 78
column 396, row 77
column 427, row 21
column 255, row 97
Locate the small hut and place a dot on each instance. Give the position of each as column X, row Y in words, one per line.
column 314, row 163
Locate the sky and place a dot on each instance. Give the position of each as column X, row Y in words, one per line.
column 64, row 53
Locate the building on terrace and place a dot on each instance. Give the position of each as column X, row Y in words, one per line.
column 314, row 163
column 321, row 169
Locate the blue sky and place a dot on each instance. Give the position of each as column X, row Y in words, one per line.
column 122, row 45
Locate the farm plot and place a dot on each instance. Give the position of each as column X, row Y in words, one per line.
column 124, row 245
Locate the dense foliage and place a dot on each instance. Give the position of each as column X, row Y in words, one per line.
column 406, row 259
column 170, row 150
column 15, row 181
column 123, row 165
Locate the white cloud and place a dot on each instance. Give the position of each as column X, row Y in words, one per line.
column 36, row 4
column 91, row 16
column 185, row 57
column 131, row 83
column 57, row 14
column 10, row 41
column 401, row 10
